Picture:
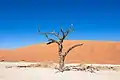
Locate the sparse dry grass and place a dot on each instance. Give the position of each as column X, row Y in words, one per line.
column 92, row 68
column 41, row 65
column 79, row 67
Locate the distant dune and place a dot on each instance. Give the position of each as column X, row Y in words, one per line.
column 99, row 52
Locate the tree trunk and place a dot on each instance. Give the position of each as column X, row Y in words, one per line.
column 61, row 63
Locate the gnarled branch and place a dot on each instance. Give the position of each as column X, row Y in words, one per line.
column 65, row 33
column 49, row 39
column 72, row 48
column 52, row 33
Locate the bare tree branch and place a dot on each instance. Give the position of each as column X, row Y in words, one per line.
column 49, row 42
column 64, row 34
column 70, row 29
column 72, row 48
column 52, row 33
column 49, row 39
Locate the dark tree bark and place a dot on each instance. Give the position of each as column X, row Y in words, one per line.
column 59, row 42
column 61, row 63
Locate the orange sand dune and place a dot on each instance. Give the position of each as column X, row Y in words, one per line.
column 99, row 52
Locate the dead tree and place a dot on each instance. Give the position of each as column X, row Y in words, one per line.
column 61, row 37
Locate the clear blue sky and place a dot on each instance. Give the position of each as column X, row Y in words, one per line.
column 92, row 19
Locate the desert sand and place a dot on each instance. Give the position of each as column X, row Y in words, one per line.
column 39, row 73
column 95, row 53
column 100, row 52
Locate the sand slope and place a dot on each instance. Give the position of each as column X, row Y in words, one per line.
column 91, row 52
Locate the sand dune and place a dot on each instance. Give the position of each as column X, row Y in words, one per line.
column 100, row 52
